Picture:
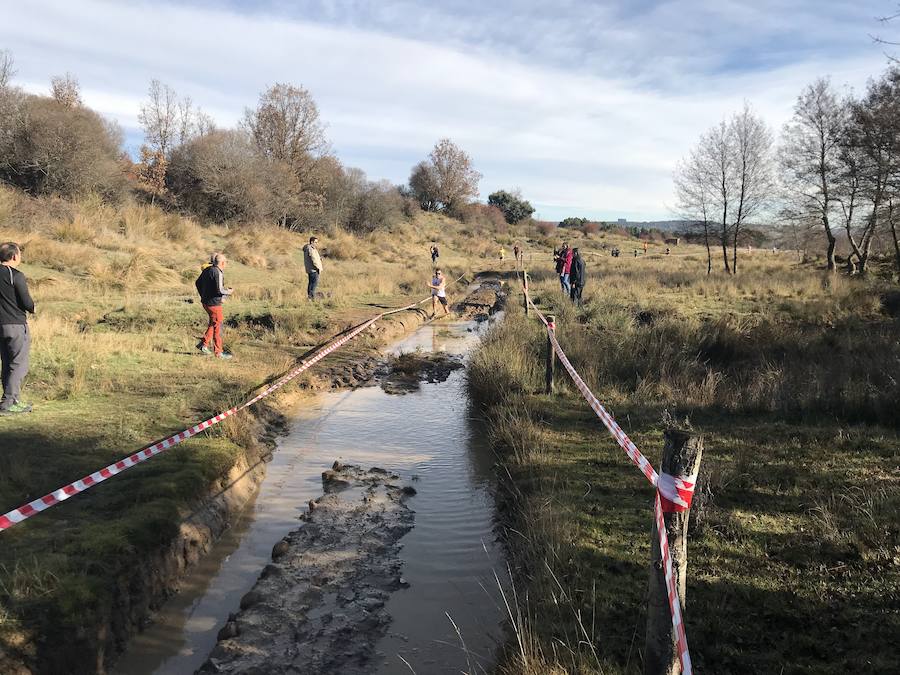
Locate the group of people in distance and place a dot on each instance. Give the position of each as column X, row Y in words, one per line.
column 572, row 271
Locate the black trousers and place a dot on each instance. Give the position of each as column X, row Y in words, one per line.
column 575, row 293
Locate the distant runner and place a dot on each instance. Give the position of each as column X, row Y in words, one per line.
column 435, row 253
column 15, row 338
column 502, row 254
column 438, row 288
column 211, row 287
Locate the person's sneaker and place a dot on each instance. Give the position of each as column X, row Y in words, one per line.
column 203, row 349
column 17, row 408
column 224, row 355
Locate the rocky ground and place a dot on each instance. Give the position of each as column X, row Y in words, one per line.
column 319, row 606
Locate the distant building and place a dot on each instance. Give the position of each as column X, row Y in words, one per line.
column 623, row 221
column 672, row 241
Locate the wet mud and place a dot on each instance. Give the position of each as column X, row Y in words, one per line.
column 319, row 606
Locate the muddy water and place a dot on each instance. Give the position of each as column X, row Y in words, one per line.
column 428, row 437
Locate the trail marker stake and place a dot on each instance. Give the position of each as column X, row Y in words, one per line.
column 551, row 355
column 678, row 475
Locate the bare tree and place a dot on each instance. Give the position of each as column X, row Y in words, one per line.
column 693, row 191
column 7, row 68
column 705, row 184
column 810, row 158
column 65, row 90
column 716, row 150
column 752, row 145
column 285, row 127
column 159, row 117
column 873, row 138
column 885, row 20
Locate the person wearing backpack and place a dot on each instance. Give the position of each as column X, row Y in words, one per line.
column 211, row 287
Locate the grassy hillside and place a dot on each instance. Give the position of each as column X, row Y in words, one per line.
column 114, row 367
column 792, row 379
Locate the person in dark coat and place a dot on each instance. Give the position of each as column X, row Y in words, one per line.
column 211, row 287
column 577, row 277
column 15, row 338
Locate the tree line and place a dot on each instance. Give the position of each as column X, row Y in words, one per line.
column 276, row 166
column 834, row 171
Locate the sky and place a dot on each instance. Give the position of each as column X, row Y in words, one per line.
column 586, row 107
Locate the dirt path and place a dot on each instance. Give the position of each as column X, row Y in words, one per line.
column 319, row 606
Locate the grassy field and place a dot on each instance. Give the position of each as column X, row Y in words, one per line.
column 793, row 380
column 114, row 367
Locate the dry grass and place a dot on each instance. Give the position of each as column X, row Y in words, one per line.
column 791, row 376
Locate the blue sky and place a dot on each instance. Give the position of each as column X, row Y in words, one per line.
column 584, row 106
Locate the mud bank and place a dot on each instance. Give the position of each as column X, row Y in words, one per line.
column 319, row 606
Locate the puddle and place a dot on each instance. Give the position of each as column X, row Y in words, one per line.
column 427, row 436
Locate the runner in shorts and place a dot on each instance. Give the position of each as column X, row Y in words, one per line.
column 438, row 288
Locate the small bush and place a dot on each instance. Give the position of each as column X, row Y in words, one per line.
column 545, row 227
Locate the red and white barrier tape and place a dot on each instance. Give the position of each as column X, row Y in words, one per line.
column 61, row 494
column 684, row 656
column 673, row 493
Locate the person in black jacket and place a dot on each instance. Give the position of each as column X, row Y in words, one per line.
column 211, row 287
column 15, row 339
column 577, row 277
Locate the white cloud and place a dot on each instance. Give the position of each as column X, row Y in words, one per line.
column 571, row 138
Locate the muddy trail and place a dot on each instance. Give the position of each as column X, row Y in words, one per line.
column 391, row 569
column 319, row 606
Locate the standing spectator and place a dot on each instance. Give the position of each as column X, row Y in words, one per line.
column 563, row 266
column 15, row 339
column 211, row 287
column 517, row 252
column 577, row 277
column 312, row 261
column 438, row 288
column 435, row 253
column 645, row 247
column 567, row 269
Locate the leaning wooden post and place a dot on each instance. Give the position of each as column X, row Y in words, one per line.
column 551, row 355
column 678, row 475
column 525, row 292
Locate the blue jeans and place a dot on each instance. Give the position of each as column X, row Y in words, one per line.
column 313, row 283
column 564, row 282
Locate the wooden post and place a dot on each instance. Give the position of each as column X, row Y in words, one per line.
column 681, row 457
column 525, row 291
column 551, row 355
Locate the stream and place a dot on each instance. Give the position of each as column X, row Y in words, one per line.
column 429, row 437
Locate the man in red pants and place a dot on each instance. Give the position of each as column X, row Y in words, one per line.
column 211, row 286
